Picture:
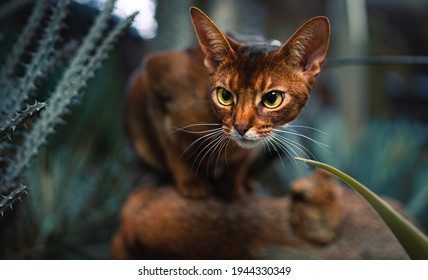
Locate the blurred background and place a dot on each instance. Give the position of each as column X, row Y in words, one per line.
column 369, row 106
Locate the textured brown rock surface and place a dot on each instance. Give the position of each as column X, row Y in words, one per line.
column 320, row 220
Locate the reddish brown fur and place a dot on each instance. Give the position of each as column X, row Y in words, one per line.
column 160, row 101
column 171, row 92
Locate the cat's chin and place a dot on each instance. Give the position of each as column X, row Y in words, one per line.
column 247, row 143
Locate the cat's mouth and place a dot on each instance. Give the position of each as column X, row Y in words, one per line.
column 249, row 140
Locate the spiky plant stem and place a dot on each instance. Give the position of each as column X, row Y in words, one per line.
column 23, row 40
column 20, row 119
column 8, row 200
column 91, row 39
column 43, row 58
column 68, row 89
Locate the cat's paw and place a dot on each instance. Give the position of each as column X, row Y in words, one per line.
column 250, row 184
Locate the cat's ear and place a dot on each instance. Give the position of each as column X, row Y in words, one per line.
column 214, row 44
column 308, row 46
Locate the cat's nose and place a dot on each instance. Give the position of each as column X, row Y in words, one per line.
column 242, row 128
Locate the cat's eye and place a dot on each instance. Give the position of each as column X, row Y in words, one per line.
column 224, row 97
column 273, row 99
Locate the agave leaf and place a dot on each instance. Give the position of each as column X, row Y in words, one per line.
column 414, row 242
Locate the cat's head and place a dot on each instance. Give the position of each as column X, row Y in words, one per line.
column 256, row 87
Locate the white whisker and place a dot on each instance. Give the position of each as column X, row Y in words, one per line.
column 222, row 147
column 285, row 149
column 266, row 145
column 269, row 141
column 216, row 146
column 323, row 146
column 292, row 147
column 184, row 128
column 207, row 149
column 225, row 151
column 296, row 145
column 205, row 138
column 306, row 127
column 197, row 132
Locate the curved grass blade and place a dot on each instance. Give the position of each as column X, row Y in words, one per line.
column 414, row 242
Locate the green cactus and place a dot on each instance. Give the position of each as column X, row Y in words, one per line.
column 8, row 200
column 16, row 91
column 20, row 119
column 23, row 41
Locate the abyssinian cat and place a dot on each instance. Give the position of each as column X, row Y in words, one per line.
column 196, row 116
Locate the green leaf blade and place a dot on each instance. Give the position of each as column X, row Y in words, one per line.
column 414, row 242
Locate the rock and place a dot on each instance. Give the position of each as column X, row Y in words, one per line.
column 319, row 220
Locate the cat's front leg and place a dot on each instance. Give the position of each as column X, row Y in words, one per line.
column 187, row 180
column 236, row 180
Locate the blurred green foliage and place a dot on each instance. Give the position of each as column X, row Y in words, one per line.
column 79, row 180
